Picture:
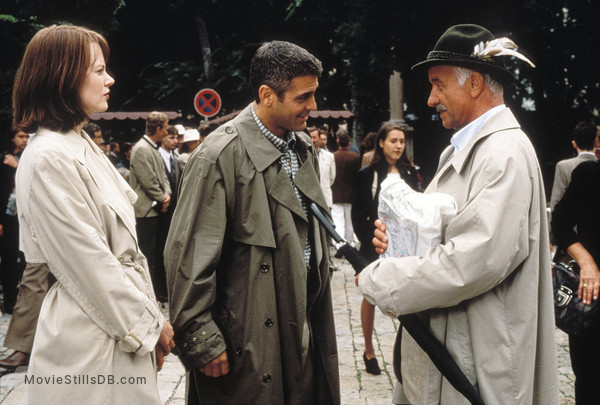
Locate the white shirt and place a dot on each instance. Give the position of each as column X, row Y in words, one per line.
column 166, row 156
column 464, row 135
column 151, row 141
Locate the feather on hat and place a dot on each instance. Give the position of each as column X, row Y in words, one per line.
column 474, row 47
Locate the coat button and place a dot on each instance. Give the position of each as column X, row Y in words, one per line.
column 266, row 377
column 264, row 267
column 229, row 130
column 238, row 351
column 268, row 322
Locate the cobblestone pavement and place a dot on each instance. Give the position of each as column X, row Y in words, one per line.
column 357, row 386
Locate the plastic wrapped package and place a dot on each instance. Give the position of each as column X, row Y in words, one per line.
column 414, row 221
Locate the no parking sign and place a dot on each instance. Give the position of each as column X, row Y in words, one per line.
column 207, row 103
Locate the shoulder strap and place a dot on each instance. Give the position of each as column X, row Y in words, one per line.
column 374, row 186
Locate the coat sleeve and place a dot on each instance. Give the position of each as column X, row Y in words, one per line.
column 192, row 254
column 558, row 186
column 70, row 234
column 484, row 243
column 147, row 175
column 362, row 202
column 564, row 217
column 331, row 169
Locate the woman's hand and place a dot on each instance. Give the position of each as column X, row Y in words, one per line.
column 380, row 239
column 160, row 357
column 589, row 284
column 10, row 160
column 165, row 340
column 164, row 345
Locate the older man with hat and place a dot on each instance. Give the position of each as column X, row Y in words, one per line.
column 485, row 290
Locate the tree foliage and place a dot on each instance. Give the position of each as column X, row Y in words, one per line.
column 158, row 54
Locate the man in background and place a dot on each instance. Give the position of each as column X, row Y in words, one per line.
column 148, row 179
column 584, row 136
column 326, row 164
column 347, row 165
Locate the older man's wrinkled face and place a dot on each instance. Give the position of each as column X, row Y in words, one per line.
column 450, row 99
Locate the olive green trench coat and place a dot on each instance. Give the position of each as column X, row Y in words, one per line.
column 237, row 276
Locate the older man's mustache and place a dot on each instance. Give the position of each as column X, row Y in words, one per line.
column 440, row 108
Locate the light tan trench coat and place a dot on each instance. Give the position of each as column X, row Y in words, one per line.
column 487, row 288
column 100, row 322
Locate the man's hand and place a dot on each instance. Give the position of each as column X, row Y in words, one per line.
column 165, row 203
column 380, row 240
column 217, row 367
column 10, row 160
column 1, row 230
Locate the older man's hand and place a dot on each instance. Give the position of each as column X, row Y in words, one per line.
column 380, row 240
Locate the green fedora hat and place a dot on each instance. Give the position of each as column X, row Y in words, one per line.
column 457, row 47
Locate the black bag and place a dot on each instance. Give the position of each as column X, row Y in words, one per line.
column 571, row 315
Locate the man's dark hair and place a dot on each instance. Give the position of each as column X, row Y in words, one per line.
column 584, row 135
column 343, row 138
column 171, row 130
column 277, row 63
column 91, row 128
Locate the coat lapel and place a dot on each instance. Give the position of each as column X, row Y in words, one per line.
column 118, row 203
column 263, row 154
column 306, row 179
column 503, row 120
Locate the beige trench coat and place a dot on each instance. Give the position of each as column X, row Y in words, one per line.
column 100, row 322
column 487, row 289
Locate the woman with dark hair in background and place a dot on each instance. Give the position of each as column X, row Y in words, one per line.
column 13, row 261
column 367, row 149
column 100, row 318
column 389, row 159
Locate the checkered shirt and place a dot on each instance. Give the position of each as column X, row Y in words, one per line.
column 289, row 161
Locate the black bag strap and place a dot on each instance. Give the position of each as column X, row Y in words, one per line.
column 420, row 332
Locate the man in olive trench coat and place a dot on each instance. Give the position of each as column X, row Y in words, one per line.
column 250, row 299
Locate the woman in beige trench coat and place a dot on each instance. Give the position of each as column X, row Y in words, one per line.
column 100, row 335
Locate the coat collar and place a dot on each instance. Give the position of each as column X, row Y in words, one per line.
column 76, row 145
column 503, row 120
column 263, row 154
column 71, row 140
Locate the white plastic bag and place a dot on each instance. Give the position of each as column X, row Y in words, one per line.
column 414, row 220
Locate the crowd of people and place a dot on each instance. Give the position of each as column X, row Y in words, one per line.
column 101, row 235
